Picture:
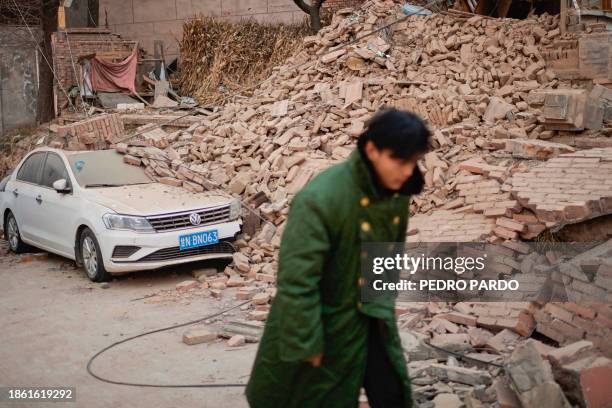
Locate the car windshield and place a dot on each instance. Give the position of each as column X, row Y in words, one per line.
column 105, row 168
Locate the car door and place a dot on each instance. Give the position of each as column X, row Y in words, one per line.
column 59, row 210
column 25, row 189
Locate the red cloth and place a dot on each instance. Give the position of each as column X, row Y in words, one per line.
column 109, row 76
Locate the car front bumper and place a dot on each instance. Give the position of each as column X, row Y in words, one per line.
column 157, row 250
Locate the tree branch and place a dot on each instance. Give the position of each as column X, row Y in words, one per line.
column 302, row 5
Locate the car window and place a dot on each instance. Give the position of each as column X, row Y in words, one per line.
column 54, row 170
column 30, row 170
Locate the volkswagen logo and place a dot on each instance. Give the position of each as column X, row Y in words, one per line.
column 195, row 219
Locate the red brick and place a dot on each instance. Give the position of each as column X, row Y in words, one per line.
column 171, row 181
column 582, row 310
column 187, row 285
column 497, row 212
column 585, row 324
column 595, row 385
column 577, row 212
column 135, row 161
column 506, row 397
column 602, row 309
column 473, row 167
column 505, row 233
column 569, row 331
column 335, row 5
column 603, row 320
column 459, row 318
column 558, row 312
column 523, row 324
column 510, row 224
column 606, row 204
column 548, row 331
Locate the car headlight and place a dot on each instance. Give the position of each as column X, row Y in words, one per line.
column 127, row 222
column 234, row 211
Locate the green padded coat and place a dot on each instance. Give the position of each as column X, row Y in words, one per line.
column 317, row 307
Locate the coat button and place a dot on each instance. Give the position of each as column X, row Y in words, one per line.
column 365, row 201
column 364, row 254
column 365, row 226
column 361, row 281
column 359, row 305
column 395, row 195
column 396, row 219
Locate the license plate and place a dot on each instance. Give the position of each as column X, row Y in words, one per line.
column 199, row 239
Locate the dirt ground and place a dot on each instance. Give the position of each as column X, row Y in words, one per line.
column 54, row 319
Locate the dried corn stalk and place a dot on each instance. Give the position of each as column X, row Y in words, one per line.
column 219, row 56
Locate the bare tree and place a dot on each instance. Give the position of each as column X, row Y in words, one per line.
column 313, row 9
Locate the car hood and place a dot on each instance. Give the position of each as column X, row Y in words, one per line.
column 154, row 199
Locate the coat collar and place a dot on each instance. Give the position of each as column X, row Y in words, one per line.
column 366, row 178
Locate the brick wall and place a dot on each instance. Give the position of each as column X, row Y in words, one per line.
column 151, row 20
column 340, row 4
column 570, row 322
column 585, row 281
column 69, row 46
column 98, row 132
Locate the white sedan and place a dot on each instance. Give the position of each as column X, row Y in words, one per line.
column 111, row 217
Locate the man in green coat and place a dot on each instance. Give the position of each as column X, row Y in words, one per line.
column 322, row 342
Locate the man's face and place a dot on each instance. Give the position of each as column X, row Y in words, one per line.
column 392, row 172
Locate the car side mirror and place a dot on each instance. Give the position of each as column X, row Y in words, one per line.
column 61, row 186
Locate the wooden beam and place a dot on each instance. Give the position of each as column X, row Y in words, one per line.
column 61, row 17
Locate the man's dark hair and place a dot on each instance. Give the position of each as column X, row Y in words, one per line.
column 405, row 134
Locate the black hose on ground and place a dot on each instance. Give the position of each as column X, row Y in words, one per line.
column 105, row 349
column 131, row 384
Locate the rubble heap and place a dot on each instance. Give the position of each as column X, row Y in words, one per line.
column 482, row 91
column 476, row 89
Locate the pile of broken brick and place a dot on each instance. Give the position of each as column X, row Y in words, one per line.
column 513, row 157
column 503, row 168
column 454, row 361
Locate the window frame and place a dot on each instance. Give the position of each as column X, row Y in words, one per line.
column 37, row 180
column 42, row 171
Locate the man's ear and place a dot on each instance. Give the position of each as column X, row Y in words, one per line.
column 415, row 183
column 370, row 150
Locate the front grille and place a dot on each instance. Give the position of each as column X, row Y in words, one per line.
column 170, row 222
column 166, row 254
column 124, row 251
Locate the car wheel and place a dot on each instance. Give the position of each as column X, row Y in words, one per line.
column 92, row 257
column 11, row 232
